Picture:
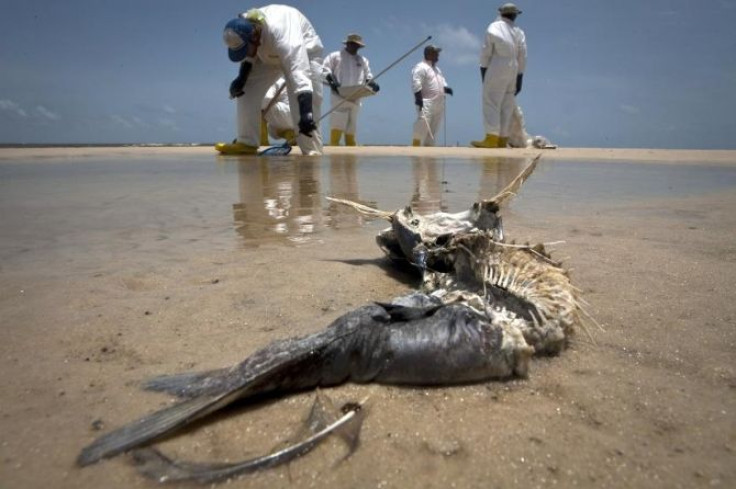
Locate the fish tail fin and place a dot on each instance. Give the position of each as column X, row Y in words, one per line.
column 151, row 427
column 189, row 384
column 270, row 368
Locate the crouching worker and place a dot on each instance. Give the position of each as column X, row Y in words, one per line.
column 270, row 42
column 277, row 121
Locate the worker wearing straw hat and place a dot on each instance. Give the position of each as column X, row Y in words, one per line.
column 346, row 68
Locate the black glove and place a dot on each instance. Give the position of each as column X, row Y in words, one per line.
column 306, row 118
column 482, row 74
column 519, row 78
column 236, row 87
column 373, row 86
column 448, row 91
column 333, row 84
column 418, row 101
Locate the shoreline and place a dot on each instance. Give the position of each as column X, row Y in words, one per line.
column 675, row 156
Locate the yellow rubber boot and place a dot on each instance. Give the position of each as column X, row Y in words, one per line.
column 416, row 142
column 290, row 136
column 236, row 148
column 503, row 142
column 335, row 136
column 349, row 139
column 264, row 132
column 491, row 141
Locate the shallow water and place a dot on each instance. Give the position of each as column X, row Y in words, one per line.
column 72, row 211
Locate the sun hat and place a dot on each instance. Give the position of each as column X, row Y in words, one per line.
column 354, row 38
column 509, row 8
column 237, row 36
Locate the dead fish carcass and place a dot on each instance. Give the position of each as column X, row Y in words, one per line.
column 415, row 340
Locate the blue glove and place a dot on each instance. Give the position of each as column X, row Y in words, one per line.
column 448, row 91
column 237, row 85
column 306, row 118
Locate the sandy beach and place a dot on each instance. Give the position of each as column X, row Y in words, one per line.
column 649, row 401
column 694, row 156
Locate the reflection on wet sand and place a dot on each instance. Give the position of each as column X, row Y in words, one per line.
column 279, row 198
column 496, row 174
column 427, row 195
column 344, row 185
column 282, row 198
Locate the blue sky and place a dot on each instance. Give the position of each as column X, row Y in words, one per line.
column 653, row 73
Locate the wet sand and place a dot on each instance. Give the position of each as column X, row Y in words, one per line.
column 651, row 402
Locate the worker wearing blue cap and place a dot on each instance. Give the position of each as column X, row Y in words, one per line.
column 270, row 42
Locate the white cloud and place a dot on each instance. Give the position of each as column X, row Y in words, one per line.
column 128, row 122
column 118, row 119
column 629, row 109
column 169, row 110
column 459, row 45
column 10, row 106
column 168, row 124
column 458, row 38
column 47, row 114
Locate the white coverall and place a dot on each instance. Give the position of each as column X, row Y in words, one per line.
column 518, row 137
column 430, row 81
column 348, row 70
column 278, row 118
column 504, row 56
column 289, row 47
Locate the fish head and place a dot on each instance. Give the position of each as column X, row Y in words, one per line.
column 407, row 228
column 487, row 218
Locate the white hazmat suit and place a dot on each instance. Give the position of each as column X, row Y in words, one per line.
column 503, row 56
column 348, row 70
column 278, row 116
column 289, row 47
column 428, row 79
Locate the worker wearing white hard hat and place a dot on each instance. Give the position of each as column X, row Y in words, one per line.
column 502, row 64
column 346, row 69
column 270, row 42
column 429, row 88
column 277, row 121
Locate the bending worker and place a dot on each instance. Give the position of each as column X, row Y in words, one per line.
column 429, row 88
column 502, row 63
column 349, row 69
column 277, row 121
column 269, row 42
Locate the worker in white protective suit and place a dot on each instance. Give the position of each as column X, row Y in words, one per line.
column 502, row 64
column 346, row 68
column 277, row 121
column 270, row 42
column 429, row 88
